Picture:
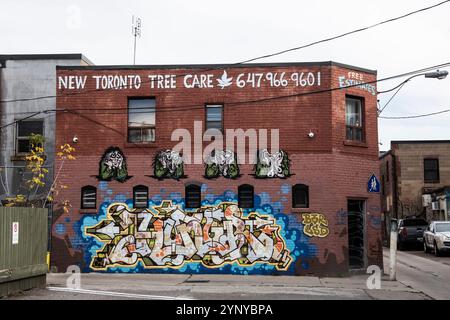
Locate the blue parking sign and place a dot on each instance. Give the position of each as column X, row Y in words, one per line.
column 373, row 186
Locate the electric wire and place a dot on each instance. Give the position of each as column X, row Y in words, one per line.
column 236, row 103
column 263, row 56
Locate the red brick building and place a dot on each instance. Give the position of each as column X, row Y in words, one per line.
column 139, row 205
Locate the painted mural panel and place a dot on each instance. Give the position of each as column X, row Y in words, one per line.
column 275, row 165
column 222, row 163
column 168, row 236
column 168, row 164
column 113, row 165
column 218, row 238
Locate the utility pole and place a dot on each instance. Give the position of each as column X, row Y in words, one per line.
column 393, row 251
column 136, row 31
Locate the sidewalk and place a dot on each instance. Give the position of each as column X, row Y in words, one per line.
column 220, row 287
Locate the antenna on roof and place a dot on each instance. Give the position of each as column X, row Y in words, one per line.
column 136, row 31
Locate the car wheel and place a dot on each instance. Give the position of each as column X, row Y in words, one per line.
column 437, row 253
column 425, row 247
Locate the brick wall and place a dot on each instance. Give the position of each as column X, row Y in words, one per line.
column 334, row 169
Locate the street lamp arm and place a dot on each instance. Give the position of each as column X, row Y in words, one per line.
column 434, row 75
column 401, row 84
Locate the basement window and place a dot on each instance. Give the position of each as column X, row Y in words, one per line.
column 300, row 196
column 23, row 133
column 193, row 196
column 246, row 196
column 88, row 197
column 141, row 120
column 140, row 197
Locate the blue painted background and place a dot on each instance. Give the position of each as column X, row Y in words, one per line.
column 291, row 230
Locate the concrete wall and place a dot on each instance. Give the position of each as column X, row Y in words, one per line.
column 408, row 171
column 27, row 77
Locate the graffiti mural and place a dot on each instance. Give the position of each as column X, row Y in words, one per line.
column 274, row 165
column 222, row 163
column 167, row 236
column 168, row 164
column 315, row 225
column 113, row 166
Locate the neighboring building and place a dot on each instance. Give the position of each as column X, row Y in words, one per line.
column 415, row 178
column 139, row 205
column 23, row 78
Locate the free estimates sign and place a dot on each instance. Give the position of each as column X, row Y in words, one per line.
column 15, row 233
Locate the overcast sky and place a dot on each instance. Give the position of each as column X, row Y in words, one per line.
column 176, row 32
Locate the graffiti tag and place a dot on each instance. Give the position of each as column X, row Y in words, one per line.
column 315, row 225
column 167, row 236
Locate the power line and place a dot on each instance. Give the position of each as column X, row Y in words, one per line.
column 228, row 104
column 416, row 116
column 256, row 58
column 347, row 33
column 393, row 96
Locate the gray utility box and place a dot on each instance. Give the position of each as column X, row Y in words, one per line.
column 23, row 249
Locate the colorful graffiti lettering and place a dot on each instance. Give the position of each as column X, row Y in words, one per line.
column 315, row 225
column 168, row 164
column 113, row 166
column 274, row 165
column 222, row 163
column 167, row 236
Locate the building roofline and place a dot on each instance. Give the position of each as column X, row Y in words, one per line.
column 216, row 66
column 57, row 56
column 418, row 141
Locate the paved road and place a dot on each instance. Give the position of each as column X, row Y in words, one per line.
column 423, row 272
column 219, row 287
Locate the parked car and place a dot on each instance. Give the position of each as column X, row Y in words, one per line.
column 437, row 237
column 410, row 231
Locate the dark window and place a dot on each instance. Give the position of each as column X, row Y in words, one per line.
column 141, row 120
column 354, row 119
column 431, row 170
column 193, row 196
column 24, row 130
column 300, row 196
column 414, row 222
column 245, row 196
column 88, row 197
column 140, row 197
column 214, row 114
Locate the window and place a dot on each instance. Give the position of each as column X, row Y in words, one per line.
column 88, row 197
column 354, row 119
column 431, row 170
column 141, row 120
column 24, row 131
column 300, row 196
column 214, row 115
column 140, row 197
column 245, row 196
column 193, row 196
